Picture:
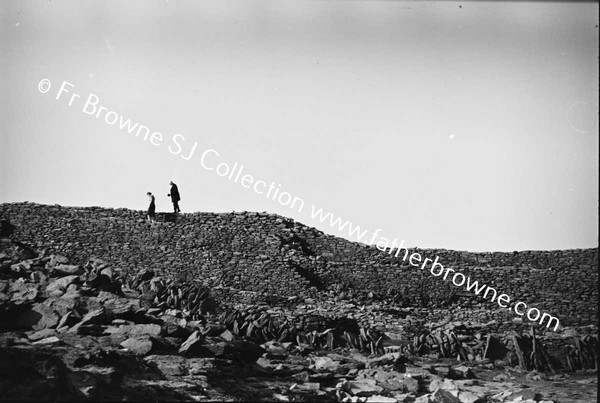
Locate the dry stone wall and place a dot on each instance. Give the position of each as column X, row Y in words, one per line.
column 266, row 258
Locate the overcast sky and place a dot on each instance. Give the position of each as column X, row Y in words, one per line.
column 458, row 125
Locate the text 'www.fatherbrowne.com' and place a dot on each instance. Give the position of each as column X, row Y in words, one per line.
column 211, row 160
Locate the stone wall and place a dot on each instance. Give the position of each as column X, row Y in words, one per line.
column 260, row 257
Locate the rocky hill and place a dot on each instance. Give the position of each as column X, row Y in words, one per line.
column 251, row 257
column 98, row 304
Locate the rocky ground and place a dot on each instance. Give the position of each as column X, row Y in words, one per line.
column 84, row 332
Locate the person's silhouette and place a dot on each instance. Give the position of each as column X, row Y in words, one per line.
column 174, row 195
column 151, row 207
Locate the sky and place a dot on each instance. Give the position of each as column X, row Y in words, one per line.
column 457, row 125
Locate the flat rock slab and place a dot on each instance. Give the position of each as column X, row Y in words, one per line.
column 136, row 330
column 67, row 269
column 41, row 334
column 363, row 387
column 47, row 340
column 168, row 365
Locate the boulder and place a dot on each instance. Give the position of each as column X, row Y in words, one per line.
column 443, row 396
column 461, row 372
column 219, row 349
column 197, row 365
column 168, row 365
column 61, row 284
column 108, row 272
column 410, row 384
column 22, row 292
column 443, row 370
column 138, row 345
column 266, row 365
column 173, row 328
column 227, row 335
column 21, row 268
column 303, row 376
column 524, row 394
column 248, row 351
column 38, row 317
column 95, row 317
column 145, row 274
column 103, row 282
column 193, row 344
column 119, row 306
column 326, row 363
column 392, row 385
column 276, row 348
column 306, row 386
column 363, row 387
column 470, row 397
column 389, row 358
column 56, row 260
column 63, row 305
column 90, row 380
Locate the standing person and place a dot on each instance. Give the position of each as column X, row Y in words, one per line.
column 151, row 207
column 174, row 195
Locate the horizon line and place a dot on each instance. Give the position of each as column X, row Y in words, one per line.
column 304, row 225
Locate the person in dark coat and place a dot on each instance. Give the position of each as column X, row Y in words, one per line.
column 151, row 207
column 174, row 195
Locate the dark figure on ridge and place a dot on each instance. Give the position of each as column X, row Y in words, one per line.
column 174, row 195
column 151, row 207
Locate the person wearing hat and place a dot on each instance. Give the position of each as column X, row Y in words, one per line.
column 174, row 195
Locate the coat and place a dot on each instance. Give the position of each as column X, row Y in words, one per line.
column 174, row 193
column 152, row 206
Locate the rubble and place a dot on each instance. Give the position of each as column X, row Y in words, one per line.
column 71, row 331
